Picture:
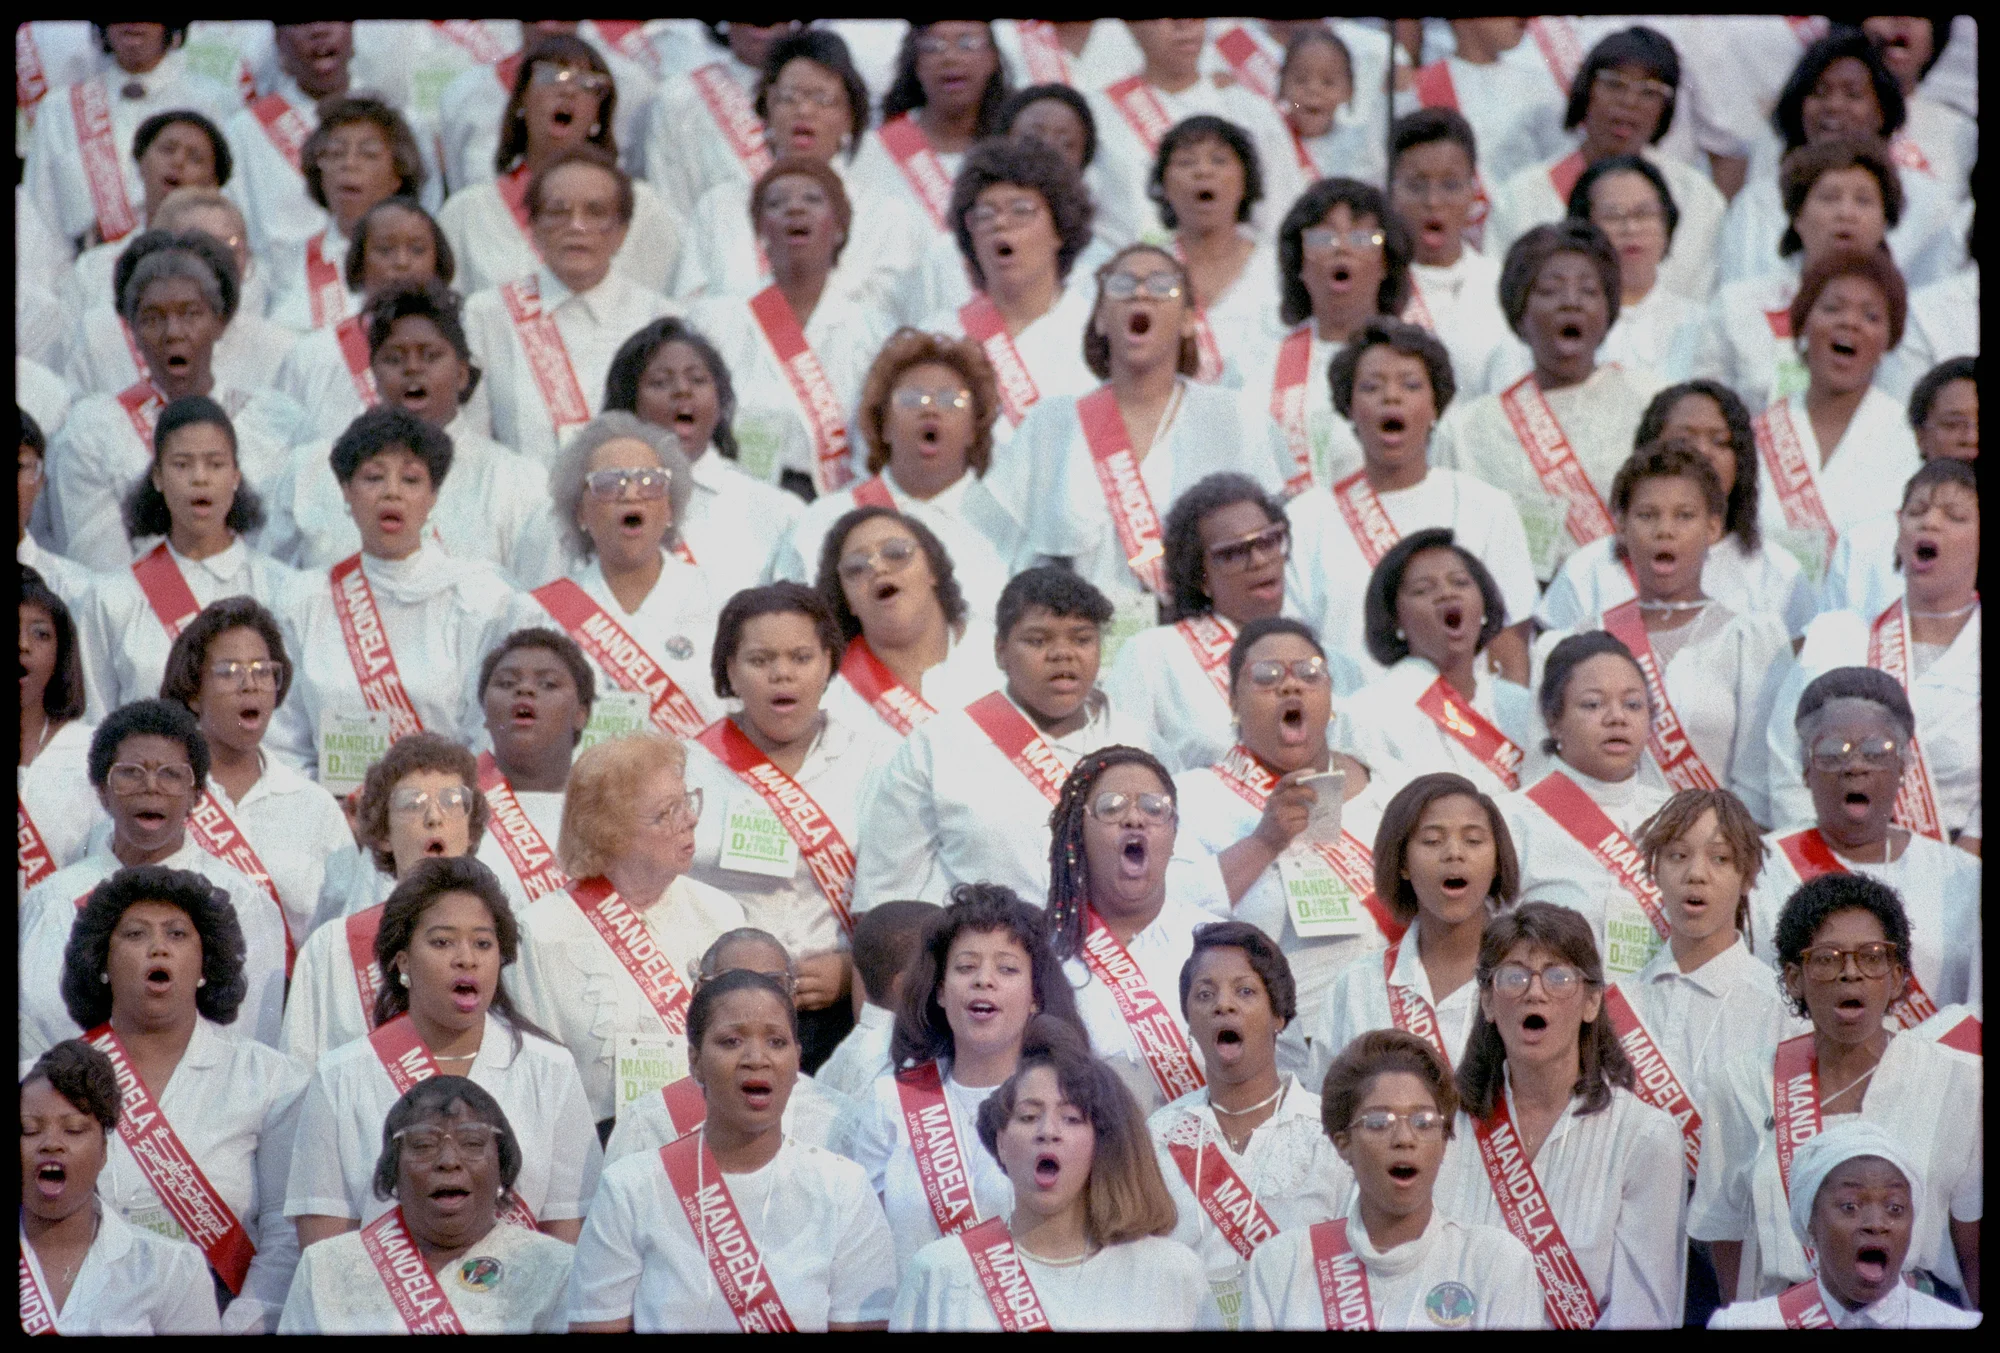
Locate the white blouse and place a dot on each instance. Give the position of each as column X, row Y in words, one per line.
column 575, row 987
column 1463, row 299
column 295, row 827
column 686, row 152
column 1358, row 1001
column 1558, row 868
column 1334, row 451
column 827, row 1255
column 1514, row 105
column 55, row 791
column 1241, row 316
column 1903, row 1308
column 1746, row 342
column 812, row 1116
column 314, row 375
column 862, row 1056
column 340, row 1127
column 1159, row 682
column 1151, row 1283
column 1767, row 579
column 1051, row 346
column 544, row 812
column 340, row 1291
column 492, row 247
column 1383, row 726
column 323, row 1010
column 1656, row 333
column 734, row 522
column 966, row 673
column 134, row 1282
column 1875, row 457
column 291, row 303
column 266, row 185
column 1943, row 323
column 1161, row 949
column 69, row 580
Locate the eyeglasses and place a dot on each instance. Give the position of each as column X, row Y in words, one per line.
column 455, row 801
column 808, row 98
column 1320, row 237
column 1649, row 214
column 1380, row 1122
column 644, row 484
column 1109, row 806
column 548, row 74
column 259, row 674
column 909, row 397
column 1625, row 86
column 1836, row 753
column 1020, row 211
column 596, row 217
column 895, row 553
column 1425, row 190
column 1268, row 672
column 154, row 319
column 129, row 777
column 1242, row 552
column 473, row 1140
column 1161, row 286
column 932, row 45
column 362, row 150
column 1827, row 963
column 1558, row 979
column 684, row 811
column 1951, row 424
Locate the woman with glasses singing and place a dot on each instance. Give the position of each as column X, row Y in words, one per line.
column 449, row 1160
column 1842, row 947
column 607, row 964
column 948, row 90
column 1551, row 1142
column 1391, row 1260
column 1276, row 830
column 443, row 1009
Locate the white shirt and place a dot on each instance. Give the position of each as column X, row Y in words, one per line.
column 95, row 459
column 1108, row 54
column 1351, row 147
column 734, row 521
column 340, row 1127
column 1926, row 244
column 1927, row 1096
column 70, row 581
column 812, row 1115
column 492, row 247
column 1558, row 868
column 440, row 615
column 56, row 793
column 1744, row 342
column 1160, row 950
column 686, row 152
column 544, row 812
column 1151, row 1283
column 125, row 642
column 1241, row 316
column 340, row 1291
column 949, row 807
column 966, row 673
column 573, row 985
column 826, row 1255
column 1599, row 417
column 1385, row 728
column 1159, row 683
column 862, row 1056
column 1943, row 323
column 295, row 827
column 874, row 175
column 1656, row 333
column 1875, row 457
column 1334, row 451
column 291, row 302
column 323, row 1010
column 134, row 1282
column 1463, row 298
column 1614, row 1183
column 1902, row 1308
column 593, row 325
column 1453, row 1276
column 101, row 359
column 1945, row 695
column 1358, row 1001
column 1862, row 575
column 48, row 913
column 40, row 392
column 1327, row 575
column 1051, row 345
column 269, row 188
column 234, row 1104
column 493, row 506
column 1768, row 579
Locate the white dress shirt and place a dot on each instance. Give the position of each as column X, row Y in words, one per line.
column 133, row 1282
column 339, row 1290
column 267, row 186
column 295, row 827
column 1051, row 345
column 811, row 1117
column 1463, row 299
column 1384, row 728
column 493, row 247
column 1874, row 458
column 1151, row 1283
column 1358, row 1001
column 1558, row 868
column 734, row 522
column 966, row 673
column 55, row 790
column 544, row 812
column 1334, row 451
column 686, row 152
column 40, row 392
column 314, row 375
column 862, row 1056
column 1658, row 333
column 1943, row 323
column 1767, row 579
column 1160, row 949
column 323, row 1009
column 291, row 303
column 1160, row 684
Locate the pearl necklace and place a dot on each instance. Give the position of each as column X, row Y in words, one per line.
column 1966, row 609
column 1071, row 1262
column 1673, row 605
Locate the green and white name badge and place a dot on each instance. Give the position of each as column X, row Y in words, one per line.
column 614, row 714
column 1319, row 901
column 760, row 437
column 1544, row 520
column 348, row 745
column 1228, row 1289
column 1807, row 544
column 1629, row 938
column 158, row 1220
column 1130, row 615
column 647, row 1061
column 755, row 842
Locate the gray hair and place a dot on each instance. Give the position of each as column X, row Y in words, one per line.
column 171, row 263
column 181, row 203
column 748, row 934
column 566, row 486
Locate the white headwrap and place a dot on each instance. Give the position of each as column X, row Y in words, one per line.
column 1841, row 1142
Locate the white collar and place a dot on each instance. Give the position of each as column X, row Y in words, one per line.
column 1889, row 1311
column 1398, row 1260
column 1712, row 978
column 223, row 565
column 1604, row 793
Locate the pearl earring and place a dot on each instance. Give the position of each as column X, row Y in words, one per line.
column 404, row 978
column 596, row 127
column 105, row 978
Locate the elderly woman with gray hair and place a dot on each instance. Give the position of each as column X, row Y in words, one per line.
column 176, row 303
column 636, row 603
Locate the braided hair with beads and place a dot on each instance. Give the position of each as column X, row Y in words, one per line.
column 1069, row 873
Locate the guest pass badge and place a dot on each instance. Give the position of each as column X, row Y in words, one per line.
column 754, row 841
column 648, row 1059
column 348, row 745
column 613, row 714
column 1629, row 938
column 1228, row 1289
column 157, row 1220
column 1807, row 544
column 1320, row 901
column 1544, row 520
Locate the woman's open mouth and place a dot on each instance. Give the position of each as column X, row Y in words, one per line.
column 632, row 522
column 756, row 1093
column 1840, row 347
column 1392, row 428
column 1663, row 562
column 1923, row 553
column 1452, row 617
column 1047, row 1170
column 390, row 522
column 1570, row 332
column 1617, row 744
column 1132, row 852
column 450, row 1199
column 1138, row 324
column 1857, row 803
column 177, row 361
column 50, row 1178
column 1064, row 681
column 201, row 503
column 523, row 712
column 1871, row 1264
column 982, row 1011
column 885, row 590
column 436, row 846
column 415, row 393
column 562, row 117
column 250, row 717
column 1229, row 1044
column 152, row 819
column 1292, row 722
column 1342, row 274
column 1534, row 1024
column 1204, row 195
column 465, row 995
column 1002, row 249
column 1454, row 885
column 1403, row 1172
column 159, row 981
column 1694, row 904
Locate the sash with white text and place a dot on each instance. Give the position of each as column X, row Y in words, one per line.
column 1554, row 460
column 1524, row 1206
column 1667, row 736
column 1916, row 797
column 820, row 843
column 937, row 1147
column 368, row 650
column 893, row 702
column 526, row 849
column 1223, row 1196
column 38, row 1309
column 33, row 859
column 1784, row 455
column 1159, row 1038
column 735, row 117
column 285, row 125
column 1342, row 1278
column 1125, row 493
column 362, row 928
column 626, row 935
column 811, row 388
column 1252, row 64
column 143, row 404
column 1209, row 637
column 1802, row 1308
column 733, row 1257
column 1577, row 814
column 980, row 319
column 1408, row 1010
column 103, row 171
column 621, row 657
column 1810, row 856
column 1010, row 731
column 1471, row 730
column 1041, row 49
column 1142, row 110
column 922, row 169
column 326, row 292
column 420, row 1302
column 997, row 1265
column 1365, row 516
column 1288, row 404
column 548, row 355
column 211, row 828
column 407, row 1062
column 471, row 34
column 1656, row 1081
column 353, row 340
column 166, row 589
column 1795, row 1100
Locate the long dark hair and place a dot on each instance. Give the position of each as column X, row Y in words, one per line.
column 428, row 880
column 64, row 697
column 146, row 511
column 1739, row 517
column 907, row 92
column 922, row 1033
column 944, row 580
column 1069, row 874
column 565, row 50
column 628, row 368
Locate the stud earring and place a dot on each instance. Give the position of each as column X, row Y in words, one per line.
column 200, row 982
column 596, row 127
column 405, row 978
column 105, row 978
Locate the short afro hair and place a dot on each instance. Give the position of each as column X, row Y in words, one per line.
column 1030, row 165
column 85, row 992
column 218, row 144
column 433, row 301
column 1192, row 131
column 1933, row 383
column 385, row 428
column 549, row 641
column 407, row 756
column 1385, row 584
column 1059, row 591
column 147, row 718
column 1816, row 901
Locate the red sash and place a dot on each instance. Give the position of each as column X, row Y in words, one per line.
column 533, row 861
column 1408, row 1010
column 103, row 172
column 820, row 843
column 1802, row 1308
column 832, row 467
column 1210, row 638
column 353, row 340
column 1655, row 1082
column 548, row 356
column 1795, row 1100
column 1160, row 1040
column 937, row 1148
column 368, row 650
column 1565, row 172
column 420, row 1302
column 142, row 404
column 1471, row 730
column 629, row 37
column 1125, row 492
column 983, row 325
column 1807, row 28
column 686, row 1104
column 922, row 169
column 1365, row 516
column 1916, row 798
column 32, row 855
column 1561, row 48
column 1208, row 368
column 733, row 1257
column 997, row 1265
column 1288, row 404
column 1574, row 811
column 513, row 189
column 326, row 293
column 1143, row 111
column 408, row 1062
column 31, row 82
column 1042, row 50
column 1434, row 88
column 172, row 1170
column 38, row 1309
column 735, row 116
column 473, row 37
column 625, row 934
column 621, row 657
column 285, row 126
column 1667, row 736
column 211, row 828
column 1791, row 473
column 1302, row 155
column 1252, row 64
column 362, row 927
column 1780, row 322
column 1554, row 460
column 1524, row 1206
column 893, row 702
column 872, row 492
column 1224, row 1198
column 1418, row 311
column 166, row 589
column 1810, row 857
column 1018, row 741
column 1342, row 1278
column 1348, row 857
column 1964, row 1036
column 1907, row 154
